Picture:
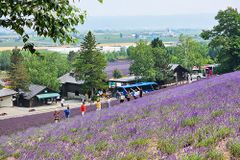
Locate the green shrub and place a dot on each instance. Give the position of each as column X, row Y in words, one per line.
column 193, row 157
column 1, row 152
column 215, row 155
column 16, row 155
column 89, row 136
column 206, row 142
column 135, row 156
column 167, row 146
column 78, row 156
column 65, row 138
column 218, row 113
column 190, row 121
column 101, row 146
column 73, row 130
column 234, row 148
column 139, row 142
column 90, row 148
column 223, row 132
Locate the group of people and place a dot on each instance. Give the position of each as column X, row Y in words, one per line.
column 83, row 110
column 129, row 93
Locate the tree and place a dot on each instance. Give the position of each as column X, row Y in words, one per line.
column 143, row 61
column 190, row 53
column 117, row 73
column 5, row 62
column 19, row 77
column 151, row 64
column 161, row 64
column 157, row 43
column 225, row 38
column 55, row 19
column 18, row 73
column 71, row 56
column 47, row 69
column 89, row 65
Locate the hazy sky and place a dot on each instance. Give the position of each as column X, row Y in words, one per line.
column 154, row 7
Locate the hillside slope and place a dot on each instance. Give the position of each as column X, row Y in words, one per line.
column 189, row 120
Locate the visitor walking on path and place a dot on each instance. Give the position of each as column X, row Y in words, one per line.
column 109, row 102
column 62, row 102
column 122, row 98
column 67, row 112
column 83, row 108
column 128, row 95
column 56, row 116
column 98, row 105
column 140, row 92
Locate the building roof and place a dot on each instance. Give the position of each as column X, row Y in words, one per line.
column 174, row 67
column 33, row 91
column 6, row 92
column 69, row 78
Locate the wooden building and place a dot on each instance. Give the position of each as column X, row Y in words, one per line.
column 70, row 87
column 6, row 97
column 36, row 95
column 179, row 72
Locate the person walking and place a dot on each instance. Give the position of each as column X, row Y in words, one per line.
column 122, row 98
column 83, row 108
column 98, row 105
column 118, row 94
column 62, row 102
column 128, row 95
column 140, row 92
column 109, row 102
column 56, row 116
column 67, row 112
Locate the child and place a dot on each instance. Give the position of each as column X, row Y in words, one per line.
column 67, row 112
column 98, row 105
column 56, row 115
column 83, row 108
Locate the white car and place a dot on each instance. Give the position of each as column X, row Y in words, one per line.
column 196, row 75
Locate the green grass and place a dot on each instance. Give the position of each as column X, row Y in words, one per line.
column 190, row 122
column 140, row 142
column 234, row 148
column 167, row 146
column 135, row 156
column 215, row 155
column 218, row 113
column 193, row 157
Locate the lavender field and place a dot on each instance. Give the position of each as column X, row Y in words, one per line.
column 192, row 122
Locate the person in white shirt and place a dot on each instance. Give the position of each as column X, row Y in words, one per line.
column 62, row 102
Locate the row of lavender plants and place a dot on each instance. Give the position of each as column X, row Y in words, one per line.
column 192, row 122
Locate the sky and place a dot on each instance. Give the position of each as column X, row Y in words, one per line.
column 154, row 7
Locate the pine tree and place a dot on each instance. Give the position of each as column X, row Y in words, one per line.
column 89, row 65
column 19, row 76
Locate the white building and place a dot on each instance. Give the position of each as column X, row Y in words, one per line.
column 6, row 97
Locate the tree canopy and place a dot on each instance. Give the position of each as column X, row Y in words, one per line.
column 151, row 64
column 225, row 38
column 55, row 19
column 19, row 75
column 189, row 53
column 89, row 65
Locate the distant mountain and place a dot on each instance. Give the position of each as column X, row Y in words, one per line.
column 201, row 21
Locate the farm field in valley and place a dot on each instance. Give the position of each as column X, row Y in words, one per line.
column 179, row 123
